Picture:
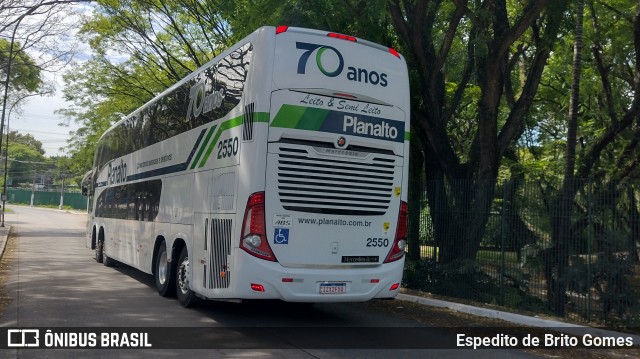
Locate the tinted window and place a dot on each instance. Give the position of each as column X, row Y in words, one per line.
column 137, row 201
column 207, row 97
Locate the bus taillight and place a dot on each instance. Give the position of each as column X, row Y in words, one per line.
column 254, row 229
column 342, row 37
column 400, row 243
column 394, row 52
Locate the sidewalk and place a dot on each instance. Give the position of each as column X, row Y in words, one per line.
column 554, row 325
column 4, row 234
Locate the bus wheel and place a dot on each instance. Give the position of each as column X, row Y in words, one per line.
column 165, row 283
column 186, row 297
column 108, row 262
column 98, row 251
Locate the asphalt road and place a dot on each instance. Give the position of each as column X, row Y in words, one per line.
column 52, row 281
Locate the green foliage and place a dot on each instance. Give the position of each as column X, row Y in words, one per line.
column 25, row 75
column 26, row 139
column 142, row 47
column 609, row 31
column 610, row 278
column 366, row 19
column 467, row 280
column 24, row 159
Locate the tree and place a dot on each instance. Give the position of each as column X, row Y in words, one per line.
column 495, row 52
column 25, row 156
column 602, row 142
column 25, row 75
column 27, row 140
column 141, row 47
column 366, row 19
column 606, row 133
column 35, row 27
column 562, row 220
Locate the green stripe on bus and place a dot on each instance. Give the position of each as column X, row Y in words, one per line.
column 261, row 117
column 313, row 119
column 407, row 136
column 203, row 146
column 290, row 116
column 236, row 121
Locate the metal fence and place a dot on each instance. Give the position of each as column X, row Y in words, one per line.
column 46, row 198
column 519, row 259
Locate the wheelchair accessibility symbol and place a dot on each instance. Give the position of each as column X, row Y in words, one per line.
column 281, row 236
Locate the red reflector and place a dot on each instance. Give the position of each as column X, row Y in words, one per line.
column 394, row 52
column 280, row 29
column 257, row 287
column 345, row 95
column 375, row 281
column 341, row 37
column 394, row 287
column 287, row 280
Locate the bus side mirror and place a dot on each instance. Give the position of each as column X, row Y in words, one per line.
column 85, row 190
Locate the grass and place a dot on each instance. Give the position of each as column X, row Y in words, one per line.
column 483, row 256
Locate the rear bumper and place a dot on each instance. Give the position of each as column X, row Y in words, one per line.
column 303, row 284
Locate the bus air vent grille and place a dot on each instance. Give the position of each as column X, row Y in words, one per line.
column 247, row 122
column 336, row 185
column 220, row 249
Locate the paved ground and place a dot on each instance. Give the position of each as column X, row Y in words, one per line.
column 443, row 314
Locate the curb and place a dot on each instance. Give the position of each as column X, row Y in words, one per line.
column 553, row 325
column 4, row 236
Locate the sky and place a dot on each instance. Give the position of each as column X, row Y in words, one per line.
column 37, row 114
column 38, row 118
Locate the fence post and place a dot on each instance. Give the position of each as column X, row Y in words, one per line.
column 437, row 207
column 589, row 240
column 503, row 234
column 33, row 191
column 61, row 195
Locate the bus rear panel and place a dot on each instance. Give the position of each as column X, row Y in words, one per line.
column 336, row 167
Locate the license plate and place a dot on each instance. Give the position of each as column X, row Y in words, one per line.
column 333, row 288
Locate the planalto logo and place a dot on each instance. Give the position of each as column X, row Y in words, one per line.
column 117, row 174
column 358, row 127
column 331, row 63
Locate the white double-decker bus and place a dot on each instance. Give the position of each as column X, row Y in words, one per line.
column 278, row 170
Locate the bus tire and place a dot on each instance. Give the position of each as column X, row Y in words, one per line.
column 164, row 272
column 99, row 251
column 186, row 297
column 106, row 261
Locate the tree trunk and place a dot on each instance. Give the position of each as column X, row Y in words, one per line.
column 634, row 226
column 460, row 184
column 562, row 218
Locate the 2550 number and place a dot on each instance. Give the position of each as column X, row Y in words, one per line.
column 377, row 242
column 228, row 147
